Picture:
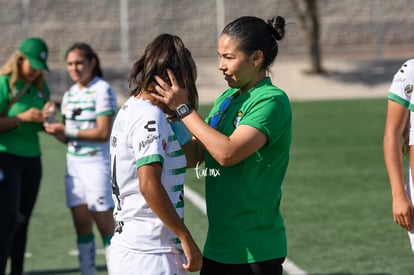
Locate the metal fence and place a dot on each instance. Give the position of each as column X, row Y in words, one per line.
column 120, row 29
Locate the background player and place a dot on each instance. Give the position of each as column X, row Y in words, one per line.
column 397, row 128
column 88, row 108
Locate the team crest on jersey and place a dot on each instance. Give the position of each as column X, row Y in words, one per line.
column 164, row 145
column 408, row 89
column 236, row 120
column 89, row 96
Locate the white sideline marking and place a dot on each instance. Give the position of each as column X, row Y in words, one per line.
column 196, row 199
column 200, row 203
column 293, row 269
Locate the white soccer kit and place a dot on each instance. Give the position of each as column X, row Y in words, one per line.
column 87, row 176
column 402, row 84
column 400, row 91
column 142, row 135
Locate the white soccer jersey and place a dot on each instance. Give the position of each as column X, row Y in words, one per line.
column 400, row 91
column 402, row 84
column 141, row 135
column 406, row 78
column 81, row 108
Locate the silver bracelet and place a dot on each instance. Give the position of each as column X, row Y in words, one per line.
column 71, row 132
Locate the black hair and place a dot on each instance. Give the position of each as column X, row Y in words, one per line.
column 166, row 51
column 89, row 53
column 255, row 34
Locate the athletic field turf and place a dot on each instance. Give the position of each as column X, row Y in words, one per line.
column 336, row 203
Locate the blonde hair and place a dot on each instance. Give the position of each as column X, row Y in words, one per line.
column 12, row 67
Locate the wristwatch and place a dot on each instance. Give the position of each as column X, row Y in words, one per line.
column 183, row 110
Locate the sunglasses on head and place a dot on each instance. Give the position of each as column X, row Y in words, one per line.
column 217, row 117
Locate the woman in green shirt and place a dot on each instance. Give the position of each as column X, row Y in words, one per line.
column 246, row 141
column 24, row 95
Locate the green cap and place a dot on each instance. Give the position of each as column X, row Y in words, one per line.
column 35, row 50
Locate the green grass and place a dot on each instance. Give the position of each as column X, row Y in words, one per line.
column 336, row 203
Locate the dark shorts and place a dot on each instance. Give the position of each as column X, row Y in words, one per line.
column 270, row 267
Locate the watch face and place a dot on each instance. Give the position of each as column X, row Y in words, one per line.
column 182, row 110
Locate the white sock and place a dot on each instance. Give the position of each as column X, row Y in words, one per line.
column 107, row 259
column 87, row 258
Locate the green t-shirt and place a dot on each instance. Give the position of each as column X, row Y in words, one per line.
column 22, row 140
column 243, row 200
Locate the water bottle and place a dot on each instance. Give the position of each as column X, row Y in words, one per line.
column 51, row 114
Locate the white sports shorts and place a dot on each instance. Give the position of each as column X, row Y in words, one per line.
column 88, row 182
column 125, row 261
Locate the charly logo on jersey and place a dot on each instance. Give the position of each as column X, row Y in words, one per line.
column 236, row 120
column 150, row 139
column 100, row 200
column 408, row 89
column 150, row 126
column 113, row 141
column 76, row 112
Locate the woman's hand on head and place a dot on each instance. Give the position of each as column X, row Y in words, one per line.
column 172, row 96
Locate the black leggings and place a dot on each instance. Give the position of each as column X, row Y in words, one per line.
column 270, row 267
column 19, row 186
